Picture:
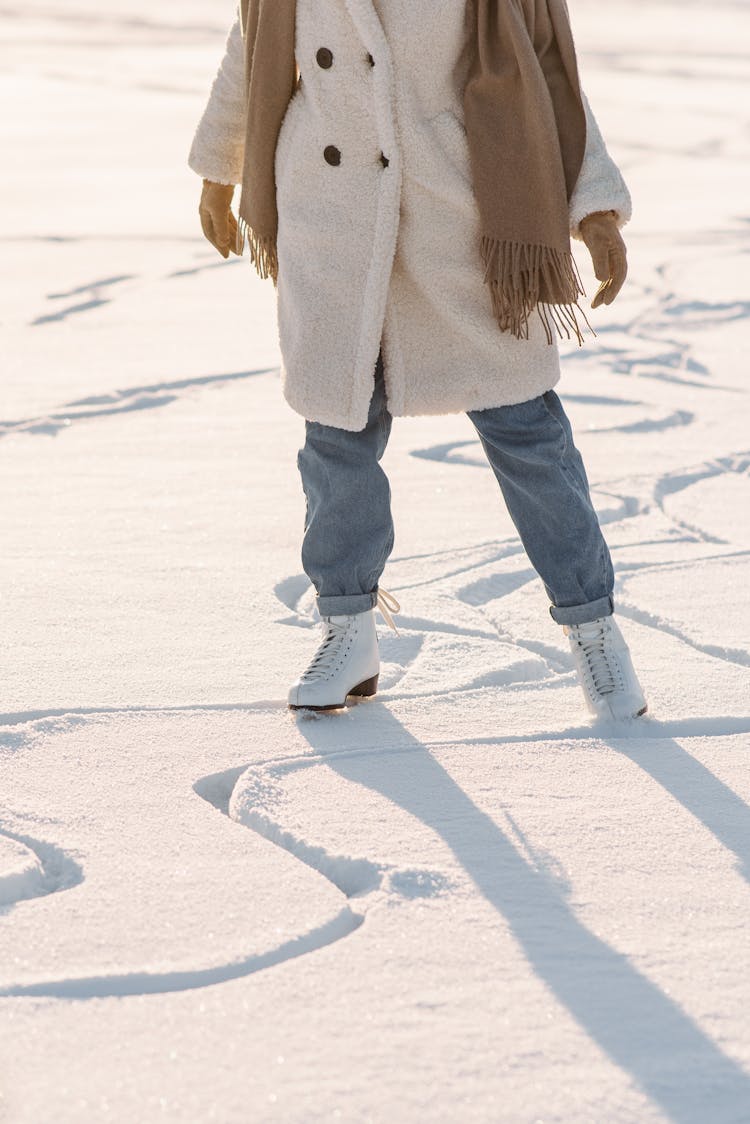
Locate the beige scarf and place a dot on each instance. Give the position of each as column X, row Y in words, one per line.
column 526, row 129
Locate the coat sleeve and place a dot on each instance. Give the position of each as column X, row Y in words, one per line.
column 600, row 185
column 218, row 147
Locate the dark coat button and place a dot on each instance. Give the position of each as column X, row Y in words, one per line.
column 332, row 155
column 371, row 60
column 384, row 160
column 325, row 58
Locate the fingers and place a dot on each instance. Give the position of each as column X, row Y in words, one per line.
column 618, row 273
column 600, row 232
column 614, row 277
column 207, row 225
column 599, row 250
column 217, row 221
column 599, row 295
column 221, row 230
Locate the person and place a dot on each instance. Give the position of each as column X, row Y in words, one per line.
column 411, row 174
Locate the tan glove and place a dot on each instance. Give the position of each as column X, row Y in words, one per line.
column 218, row 222
column 600, row 233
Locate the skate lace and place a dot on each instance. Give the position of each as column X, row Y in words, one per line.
column 334, row 641
column 601, row 667
column 326, row 657
column 388, row 604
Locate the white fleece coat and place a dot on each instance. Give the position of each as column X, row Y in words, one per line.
column 384, row 245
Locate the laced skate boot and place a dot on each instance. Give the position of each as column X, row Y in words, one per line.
column 347, row 662
column 605, row 669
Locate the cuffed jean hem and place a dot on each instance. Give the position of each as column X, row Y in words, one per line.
column 347, row 605
column 580, row 614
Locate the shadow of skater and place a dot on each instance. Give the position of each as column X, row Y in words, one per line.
column 713, row 803
column 640, row 1028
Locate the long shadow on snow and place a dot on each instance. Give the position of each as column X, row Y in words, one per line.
column 640, row 1028
column 708, row 799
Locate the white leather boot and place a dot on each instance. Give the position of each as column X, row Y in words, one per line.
column 347, row 662
column 605, row 669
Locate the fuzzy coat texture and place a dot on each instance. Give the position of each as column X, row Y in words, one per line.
column 383, row 248
column 526, row 132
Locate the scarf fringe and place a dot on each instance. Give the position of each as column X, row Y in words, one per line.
column 518, row 273
column 262, row 250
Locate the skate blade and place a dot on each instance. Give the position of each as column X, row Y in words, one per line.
column 364, row 690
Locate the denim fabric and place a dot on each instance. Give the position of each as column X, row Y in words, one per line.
column 349, row 530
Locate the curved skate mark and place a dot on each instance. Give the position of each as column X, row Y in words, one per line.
column 145, row 983
column 209, row 265
column 644, row 729
column 41, row 869
column 558, row 661
column 625, row 506
column 71, row 310
column 705, row 314
column 480, row 555
column 736, row 656
column 474, row 690
column 644, row 355
column 640, row 1027
column 398, row 655
column 642, row 424
column 644, row 346
column 425, row 624
column 93, row 288
column 446, row 453
column 480, row 594
column 119, row 402
column 489, row 547
column 216, row 790
column 10, row 741
column 402, row 654
column 354, row 877
column 493, row 587
column 638, row 569
column 651, row 331
column 678, row 481
column 297, row 594
column 647, row 425
column 600, row 400
column 75, row 715
column 20, row 873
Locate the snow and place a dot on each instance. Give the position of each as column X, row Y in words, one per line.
column 461, row 901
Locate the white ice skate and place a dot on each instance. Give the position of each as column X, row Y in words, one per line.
column 347, row 663
column 605, row 669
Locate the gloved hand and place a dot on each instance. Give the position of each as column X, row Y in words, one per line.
column 218, row 222
column 600, row 233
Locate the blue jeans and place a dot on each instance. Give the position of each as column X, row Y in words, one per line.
column 349, row 530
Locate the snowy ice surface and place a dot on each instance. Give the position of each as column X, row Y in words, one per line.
column 461, row 901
